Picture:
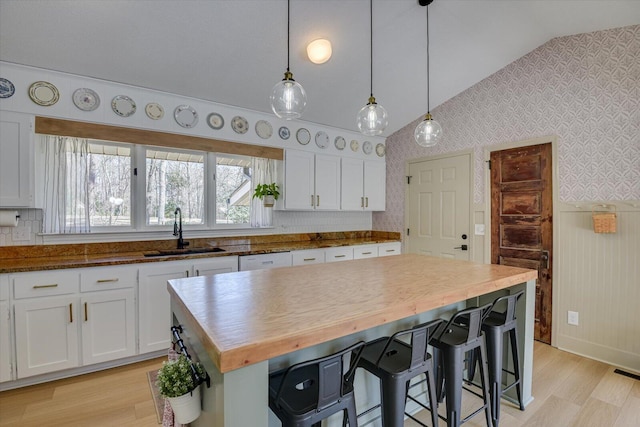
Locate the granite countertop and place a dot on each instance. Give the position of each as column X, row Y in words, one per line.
column 15, row 259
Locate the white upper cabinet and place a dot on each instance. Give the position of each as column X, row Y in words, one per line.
column 363, row 185
column 312, row 181
column 16, row 160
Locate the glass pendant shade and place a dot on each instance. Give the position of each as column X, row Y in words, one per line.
column 372, row 118
column 288, row 98
column 428, row 132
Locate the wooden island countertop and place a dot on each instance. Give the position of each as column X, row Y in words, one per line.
column 248, row 317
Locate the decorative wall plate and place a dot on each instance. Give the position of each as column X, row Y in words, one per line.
column 340, row 143
column 44, row 93
column 303, row 136
column 380, row 149
column 154, row 111
column 367, row 147
column 7, row 89
column 186, row 116
column 239, row 124
column 86, row 99
column 123, row 106
column 354, row 145
column 322, row 139
column 264, row 129
column 215, row 121
column 284, row 132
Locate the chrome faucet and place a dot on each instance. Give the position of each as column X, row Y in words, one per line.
column 177, row 229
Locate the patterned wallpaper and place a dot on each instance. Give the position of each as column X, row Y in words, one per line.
column 583, row 88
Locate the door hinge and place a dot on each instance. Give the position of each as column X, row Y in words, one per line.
column 408, row 179
column 135, row 171
column 407, row 231
column 488, row 163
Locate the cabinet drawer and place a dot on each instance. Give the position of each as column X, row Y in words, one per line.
column 46, row 283
column 386, row 249
column 311, row 256
column 105, row 278
column 365, row 251
column 264, row 261
column 4, row 287
column 344, row 253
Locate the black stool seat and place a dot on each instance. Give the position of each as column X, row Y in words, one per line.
column 496, row 324
column 449, row 348
column 395, row 362
column 308, row 392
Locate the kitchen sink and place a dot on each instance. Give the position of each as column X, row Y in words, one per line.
column 183, row 252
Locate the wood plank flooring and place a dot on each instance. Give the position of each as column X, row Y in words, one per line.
column 569, row 391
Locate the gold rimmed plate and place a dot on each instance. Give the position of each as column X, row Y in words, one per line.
column 44, row 93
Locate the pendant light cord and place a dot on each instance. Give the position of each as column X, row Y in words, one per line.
column 288, row 29
column 428, row 63
column 371, row 45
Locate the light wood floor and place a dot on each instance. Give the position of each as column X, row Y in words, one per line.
column 569, row 391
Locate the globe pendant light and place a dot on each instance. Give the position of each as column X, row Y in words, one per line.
column 428, row 132
column 372, row 118
column 288, row 98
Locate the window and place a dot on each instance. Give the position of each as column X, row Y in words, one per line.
column 92, row 185
column 233, row 190
column 175, row 179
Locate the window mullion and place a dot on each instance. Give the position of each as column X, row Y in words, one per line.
column 139, row 187
column 210, row 186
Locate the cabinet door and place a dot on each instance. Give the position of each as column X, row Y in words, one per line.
column 108, row 325
column 154, row 309
column 212, row 266
column 46, row 335
column 299, row 180
column 5, row 342
column 375, row 185
column 327, row 182
column 16, row 158
column 352, row 185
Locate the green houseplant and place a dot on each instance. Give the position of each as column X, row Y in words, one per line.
column 268, row 193
column 176, row 383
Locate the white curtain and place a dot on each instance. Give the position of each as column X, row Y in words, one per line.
column 66, row 185
column 263, row 171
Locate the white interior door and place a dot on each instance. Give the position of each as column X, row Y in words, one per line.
column 438, row 207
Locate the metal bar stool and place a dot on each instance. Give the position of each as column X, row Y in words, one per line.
column 396, row 362
column 494, row 327
column 449, row 349
column 308, row 392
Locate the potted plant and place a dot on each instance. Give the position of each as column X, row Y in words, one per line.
column 268, row 193
column 176, row 383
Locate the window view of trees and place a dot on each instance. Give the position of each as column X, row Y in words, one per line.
column 175, row 180
column 109, row 185
column 233, row 191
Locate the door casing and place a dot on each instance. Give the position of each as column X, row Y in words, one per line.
column 555, row 196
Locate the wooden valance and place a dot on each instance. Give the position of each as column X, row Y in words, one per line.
column 51, row 126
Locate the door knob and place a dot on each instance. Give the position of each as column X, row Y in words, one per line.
column 464, row 237
column 463, row 247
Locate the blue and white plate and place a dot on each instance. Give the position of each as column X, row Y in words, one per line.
column 7, row 89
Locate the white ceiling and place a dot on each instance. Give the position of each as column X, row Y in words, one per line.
column 234, row 51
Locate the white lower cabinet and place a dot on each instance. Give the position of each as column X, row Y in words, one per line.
column 388, row 249
column 265, row 261
column 365, row 251
column 341, row 253
column 108, row 325
column 309, row 256
column 6, row 371
column 154, row 305
column 46, row 335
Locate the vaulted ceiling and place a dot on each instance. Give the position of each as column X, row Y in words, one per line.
column 234, row 51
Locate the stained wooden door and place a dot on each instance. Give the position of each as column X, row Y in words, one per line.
column 521, row 220
column 438, row 206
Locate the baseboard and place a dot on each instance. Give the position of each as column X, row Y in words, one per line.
column 622, row 359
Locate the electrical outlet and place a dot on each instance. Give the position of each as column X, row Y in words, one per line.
column 572, row 318
column 19, row 234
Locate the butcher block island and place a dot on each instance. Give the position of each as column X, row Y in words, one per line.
column 243, row 325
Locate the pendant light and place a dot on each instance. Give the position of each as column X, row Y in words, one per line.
column 428, row 132
column 372, row 118
column 288, row 98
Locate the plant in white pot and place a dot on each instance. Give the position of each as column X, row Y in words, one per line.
column 268, row 193
column 176, row 383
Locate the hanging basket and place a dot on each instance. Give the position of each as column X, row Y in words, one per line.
column 604, row 222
